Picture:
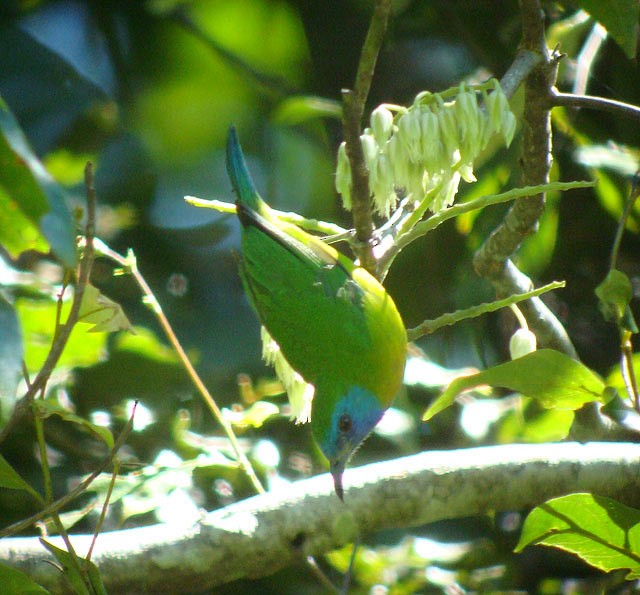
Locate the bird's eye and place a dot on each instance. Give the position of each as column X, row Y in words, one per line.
column 344, row 423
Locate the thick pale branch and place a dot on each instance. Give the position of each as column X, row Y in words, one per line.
column 261, row 535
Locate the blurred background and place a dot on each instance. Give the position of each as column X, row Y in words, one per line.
column 147, row 90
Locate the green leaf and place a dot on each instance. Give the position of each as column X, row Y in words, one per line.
column 11, row 356
column 531, row 423
column 10, row 479
column 106, row 315
column 33, row 212
column 614, row 293
column 14, row 581
column 302, row 108
column 48, row 407
column 612, row 196
column 73, row 575
column 619, row 18
column 603, row 532
column 615, row 378
column 145, row 343
column 254, row 416
column 554, row 379
column 37, row 319
column 620, row 159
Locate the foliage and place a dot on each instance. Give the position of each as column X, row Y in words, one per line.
column 147, row 91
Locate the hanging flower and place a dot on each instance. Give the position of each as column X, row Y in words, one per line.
column 433, row 142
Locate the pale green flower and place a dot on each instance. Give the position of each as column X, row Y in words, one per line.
column 343, row 176
column 522, row 342
column 370, row 150
column 381, row 124
column 432, row 142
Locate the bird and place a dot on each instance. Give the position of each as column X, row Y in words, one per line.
column 334, row 323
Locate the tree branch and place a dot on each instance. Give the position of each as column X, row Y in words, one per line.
column 353, row 110
column 63, row 332
column 260, row 535
column 595, row 103
column 493, row 259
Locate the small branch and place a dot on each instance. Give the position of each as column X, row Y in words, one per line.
column 260, row 535
column 430, row 326
column 620, row 108
column 129, row 264
column 420, row 229
column 634, row 193
column 63, row 332
column 524, row 62
column 493, row 260
column 354, row 104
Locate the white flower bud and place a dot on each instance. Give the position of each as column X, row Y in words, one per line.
column 415, row 181
column 382, row 189
column 409, row 133
column 370, row 150
column 430, row 144
column 448, row 134
column 381, row 124
column 343, row 176
column 522, row 342
column 398, row 161
column 508, row 127
column 471, row 125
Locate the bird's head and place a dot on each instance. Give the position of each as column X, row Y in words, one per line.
column 340, row 429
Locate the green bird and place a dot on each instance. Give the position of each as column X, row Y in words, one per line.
column 333, row 321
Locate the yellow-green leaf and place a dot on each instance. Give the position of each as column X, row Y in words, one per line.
column 554, row 379
column 106, row 315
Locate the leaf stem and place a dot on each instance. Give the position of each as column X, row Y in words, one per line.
column 429, row 326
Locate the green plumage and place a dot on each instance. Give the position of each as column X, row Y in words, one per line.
column 334, row 323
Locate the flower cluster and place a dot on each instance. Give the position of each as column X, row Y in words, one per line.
column 428, row 146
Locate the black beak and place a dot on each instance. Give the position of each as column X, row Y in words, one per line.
column 337, row 470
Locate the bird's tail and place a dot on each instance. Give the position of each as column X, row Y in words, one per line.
column 247, row 196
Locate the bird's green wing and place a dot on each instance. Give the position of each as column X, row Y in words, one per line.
column 306, row 299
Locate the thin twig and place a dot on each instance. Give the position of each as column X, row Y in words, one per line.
column 354, row 104
column 634, row 192
column 64, row 332
column 620, row 108
column 129, row 264
column 80, row 489
column 423, row 227
column 626, row 347
column 60, row 338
